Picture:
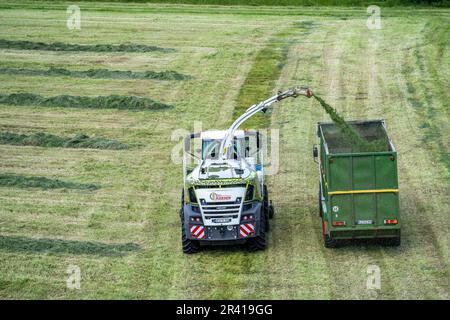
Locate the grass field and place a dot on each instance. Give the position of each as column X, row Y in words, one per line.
column 125, row 234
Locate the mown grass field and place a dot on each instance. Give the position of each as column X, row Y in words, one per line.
column 125, row 235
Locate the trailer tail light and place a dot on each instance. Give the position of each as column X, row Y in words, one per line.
column 390, row 221
column 338, row 223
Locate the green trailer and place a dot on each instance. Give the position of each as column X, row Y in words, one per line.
column 358, row 194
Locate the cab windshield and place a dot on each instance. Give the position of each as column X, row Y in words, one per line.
column 210, row 148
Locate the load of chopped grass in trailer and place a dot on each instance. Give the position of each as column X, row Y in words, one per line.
column 97, row 74
column 20, row 181
column 42, row 139
column 67, row 101
column 61, row 46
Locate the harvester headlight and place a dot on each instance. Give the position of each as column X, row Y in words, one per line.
column 196, row 219
column 249, row 193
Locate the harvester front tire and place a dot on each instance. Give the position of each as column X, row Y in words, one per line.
column 271, row 210
column 259, row 242
column 189, row 246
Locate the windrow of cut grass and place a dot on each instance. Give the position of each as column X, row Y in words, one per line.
column 42, row 139
column 96, row 74
column 51, row 246
column 20, row 181
column 132, row 103
column 61, row 46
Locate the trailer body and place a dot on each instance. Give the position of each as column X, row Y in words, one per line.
column 358, row 196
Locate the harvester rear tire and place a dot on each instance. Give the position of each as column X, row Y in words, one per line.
column 259, row 242
column 189, row 246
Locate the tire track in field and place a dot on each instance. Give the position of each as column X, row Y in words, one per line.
column 236, row 273
column 333, row 52
column 302, row 271
column 355, row 75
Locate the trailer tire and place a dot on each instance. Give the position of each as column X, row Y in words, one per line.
column 259, row 242
column 320, row 203
column 188, row 246
column 392, row 242
column 328, row 241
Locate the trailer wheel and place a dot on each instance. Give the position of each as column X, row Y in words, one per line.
column 259, row 242
column 189, row 246
column 320, row 203
column 328, row 241
column 392, row 242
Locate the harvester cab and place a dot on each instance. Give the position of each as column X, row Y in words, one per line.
column 224, row 198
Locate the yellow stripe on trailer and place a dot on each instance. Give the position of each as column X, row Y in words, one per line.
column 362, row 191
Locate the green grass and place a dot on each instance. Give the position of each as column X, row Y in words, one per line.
column 125, row 236
column 68, row 101
column 42, row 139
column 296, row 2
